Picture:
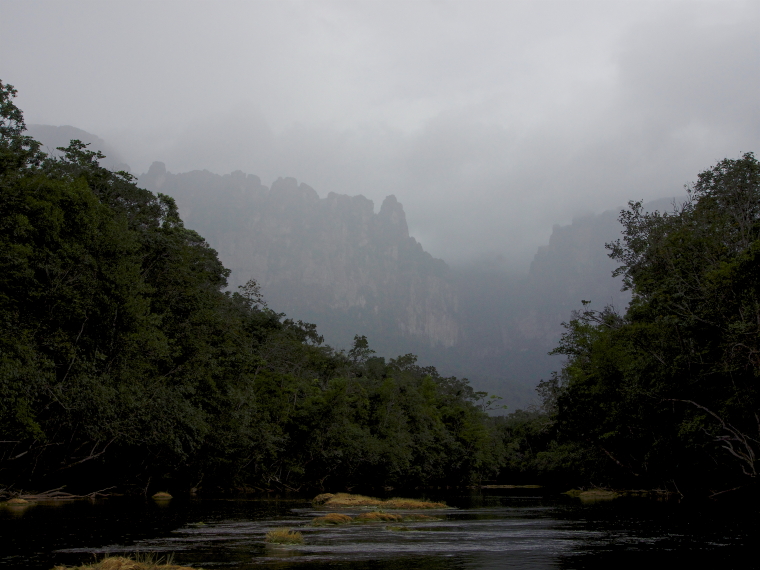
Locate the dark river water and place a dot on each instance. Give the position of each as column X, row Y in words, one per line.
column 494, row 528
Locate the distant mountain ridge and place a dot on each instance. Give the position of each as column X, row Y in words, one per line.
column 333, row 260
column 53, row 137
column 336, row 262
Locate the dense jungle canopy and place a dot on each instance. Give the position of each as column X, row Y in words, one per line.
column 125, row 362
column 669, row 391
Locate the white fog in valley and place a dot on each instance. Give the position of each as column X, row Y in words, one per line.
column 489, row 121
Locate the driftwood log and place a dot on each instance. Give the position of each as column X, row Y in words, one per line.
column 53, row 495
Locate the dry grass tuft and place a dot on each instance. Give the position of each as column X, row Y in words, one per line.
column 144, row 562
column 161, row 496
column 399, row 503
column 347, row 500
column 377, row 516
column 332, row 518
column 321, row 499
column 283, row 536
column 398, row 528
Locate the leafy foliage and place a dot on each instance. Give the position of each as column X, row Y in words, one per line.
column 123, row 360
column 668, row 393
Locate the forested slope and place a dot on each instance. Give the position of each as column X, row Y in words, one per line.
column 123, row 361
column 332, row 260
column 667, row 392
column 336, row 262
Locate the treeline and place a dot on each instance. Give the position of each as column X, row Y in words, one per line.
column 124, row 362
column 667, row 394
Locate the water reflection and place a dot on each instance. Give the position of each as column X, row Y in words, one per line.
column 16, row 510
column 494, row 529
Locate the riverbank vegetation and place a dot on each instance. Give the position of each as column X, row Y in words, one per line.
column 126, row 364
column 666, row 394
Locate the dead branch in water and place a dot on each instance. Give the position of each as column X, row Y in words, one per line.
column 59, row 495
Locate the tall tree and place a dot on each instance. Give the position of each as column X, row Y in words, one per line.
column 670, row 389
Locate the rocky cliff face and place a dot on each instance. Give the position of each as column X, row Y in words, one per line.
column 336, row 262
column 573, row 266
column 524, row 313
column 333, row 260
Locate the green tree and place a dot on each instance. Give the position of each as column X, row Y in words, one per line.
column 123, row 360
column 669, row 390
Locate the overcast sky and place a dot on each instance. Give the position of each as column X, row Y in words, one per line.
column 490, row 122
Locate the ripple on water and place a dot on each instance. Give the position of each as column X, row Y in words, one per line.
column 549, row 532
column 459, row 533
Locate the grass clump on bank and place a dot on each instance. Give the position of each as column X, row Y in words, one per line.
column 400, row 503
column 321, row 499
column 139, row 562
column 332, row 518
column 377, row 516
column 344, row 500
column 283, row 536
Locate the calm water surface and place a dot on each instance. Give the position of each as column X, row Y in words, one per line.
column 515, row 528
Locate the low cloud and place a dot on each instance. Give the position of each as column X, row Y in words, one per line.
column 490, row 122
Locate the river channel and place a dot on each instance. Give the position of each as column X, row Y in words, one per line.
column 493, row 528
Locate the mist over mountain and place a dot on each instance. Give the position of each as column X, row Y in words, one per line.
column 333, row 261
column 53, row 137
column 336, row 262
